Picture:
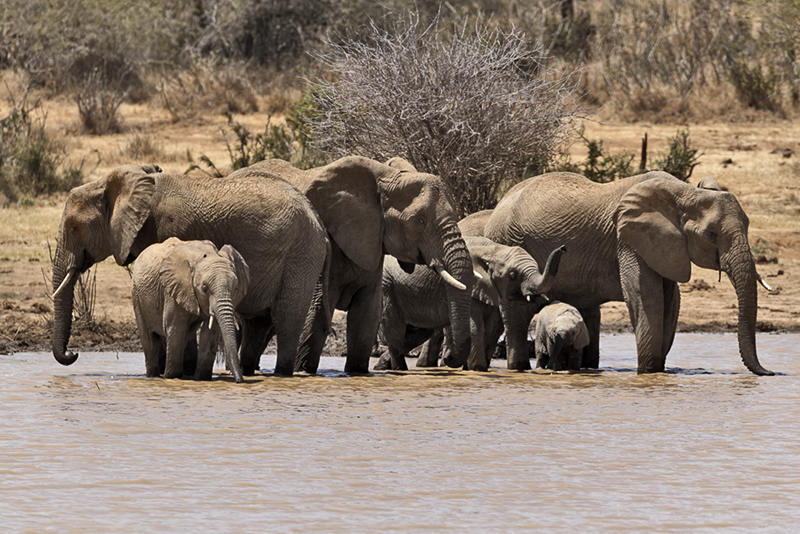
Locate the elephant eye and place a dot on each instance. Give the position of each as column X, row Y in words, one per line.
column 513, row 275
column 204, row 288
column 712, row 236
column 421, row 221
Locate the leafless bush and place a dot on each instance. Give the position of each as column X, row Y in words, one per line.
column 85, row 293
column 473, row 106
column 98, row 107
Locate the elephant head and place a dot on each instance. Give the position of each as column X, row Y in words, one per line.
column 509, row 273
column 100, row 219
column 671, row 225
column 208, row 283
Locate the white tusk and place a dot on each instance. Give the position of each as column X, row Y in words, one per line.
column 210, row 322
column 478, row 275
column 236, row 324
column 67, row 278
column 449, row 279
column 763, row 283
column 528, row 297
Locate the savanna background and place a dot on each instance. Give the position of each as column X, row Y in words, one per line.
column 207, row 86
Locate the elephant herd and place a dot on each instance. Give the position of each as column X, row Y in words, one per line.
column 272, row 250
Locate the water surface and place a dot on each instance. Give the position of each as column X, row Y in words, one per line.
column 97, row 447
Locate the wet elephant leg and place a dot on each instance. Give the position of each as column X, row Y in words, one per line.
column 643, row 291
column 672, row 307
column 363, row 317
column 398, row 359
column 429, row 354
column 256, row 334
column 176, row 345
column 591, row 352
column 492, row 330
column 517, row 318
column 207, row 342
column 190, row 353
column 315, row 333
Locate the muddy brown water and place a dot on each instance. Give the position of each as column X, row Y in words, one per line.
column 97, row 447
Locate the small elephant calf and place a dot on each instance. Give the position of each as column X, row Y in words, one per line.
column 561, row 336
column 176, row 287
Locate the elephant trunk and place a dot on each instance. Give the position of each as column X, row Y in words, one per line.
column 738, row 264
column 223, row 312
column 458, row 263
column 543, row 282
column 65, row 274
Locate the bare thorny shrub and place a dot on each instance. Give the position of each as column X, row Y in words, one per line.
column 474, row 105
column 98, row 106
column 85, row 294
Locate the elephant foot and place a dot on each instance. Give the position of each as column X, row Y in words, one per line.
column 384, row 362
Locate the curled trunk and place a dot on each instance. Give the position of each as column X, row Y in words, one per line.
column 543, row 282
column 740, row 268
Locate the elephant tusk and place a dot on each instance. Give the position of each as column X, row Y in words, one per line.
column 449, row 279
column 210, row 322
column 528, row 297
column 67, row 278
column 478, row 275
column 762, row 282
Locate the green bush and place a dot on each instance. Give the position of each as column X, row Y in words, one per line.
column 30, row 159
column 681, row 159
column 598, row 166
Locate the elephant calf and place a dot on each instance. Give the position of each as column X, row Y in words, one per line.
column 561, row 336
column 176, row 287
column 415, row 304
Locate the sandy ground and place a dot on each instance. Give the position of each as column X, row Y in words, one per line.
column 757, row 161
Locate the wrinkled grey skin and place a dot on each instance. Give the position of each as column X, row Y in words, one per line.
column 638, row 238
column 371, row 209
column 561, row 336
column 415, row 304
column 176, row 286
column 271, row 224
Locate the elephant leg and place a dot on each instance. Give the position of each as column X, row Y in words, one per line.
column 176, row 344
column 155, row 354
column 492, row 330
column 315, row 333
column 384, row 363
column 363, row 317
column 190, row 352
column 517, row 318
column 398, row 359
column 429, row 354
column 207, row 342
column 643, row 291
column 574, row 359
column 256, row 334
column 672, row 307
column 591, row 352
column 555, row 348
column 477, row 356
column 541, row 348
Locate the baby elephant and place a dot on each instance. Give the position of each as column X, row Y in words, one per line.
column 561, row 335
column 415, row 304
column 176, row 287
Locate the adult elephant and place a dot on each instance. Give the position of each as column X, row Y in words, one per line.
column 371, row 209
column 637, row 238
column 271, row 224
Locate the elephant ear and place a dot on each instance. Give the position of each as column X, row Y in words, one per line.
column 240, row 268
column 649, row 220
column 129, row 192
column 176, row 272
column 345, row 194
column 483, row 289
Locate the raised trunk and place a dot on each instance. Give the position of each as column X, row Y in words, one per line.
column 541, row 284
column 63, row 266
column 458, row 263
column 223, row 312
column 740, row 268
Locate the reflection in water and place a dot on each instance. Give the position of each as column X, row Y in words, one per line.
column 97, row 447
